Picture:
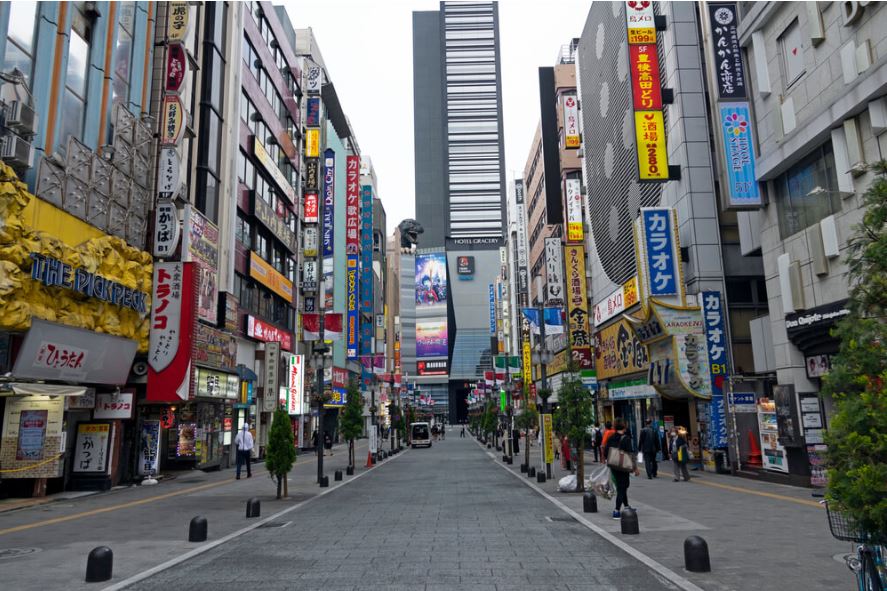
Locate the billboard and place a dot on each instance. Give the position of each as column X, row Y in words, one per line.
column 351, row 314
column 554, row 273
column 366, row 269
column 329, row 201
column 295, row 385
column 571, row 122
column 577, row 307
column 201, row 245
column 573, row 191
column 431, row 279
column 352, row 205
column 739, row 155
column 431, row 338
column 660, row 257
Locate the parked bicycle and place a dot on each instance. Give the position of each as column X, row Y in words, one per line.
column 868, row 560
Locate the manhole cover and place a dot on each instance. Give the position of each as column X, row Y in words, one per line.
column 272, row 524
column 566, row 518
column 16, row 552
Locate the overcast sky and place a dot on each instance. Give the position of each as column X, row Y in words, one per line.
column 368, row 49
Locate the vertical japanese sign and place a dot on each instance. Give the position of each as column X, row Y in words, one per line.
column 660, row 258
column 309, row 207
column 492, row 309
column 92, row 448
column 739, row 154
column 173, row 318
column 272, row 364
column 200, row 244
column 716, row 339
column 577, row 307
column 177, row 22
column 329, row 201
column 523, row 280
column 554, row 273
column 649, row 123
column 312, row 112
column 352, row 253
column 295, row 385
column 573, row 193
column 312, row 143
column 149, row 448
column 729, row 72
column 547, row 440
column 166, row 229
column 571, row 122
column 366, row 269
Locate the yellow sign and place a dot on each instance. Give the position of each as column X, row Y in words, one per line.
column 312, row 143
column 527, row 365
column 572, row 141
column 631, row 295
column 619, row 352
column 173, row 119
column 269, row 277
column 270, row 167
column 548, row 443
column 649, row 130
column 177, row 20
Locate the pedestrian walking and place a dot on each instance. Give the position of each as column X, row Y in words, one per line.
column 620, row 440
column 596, row 439
column 680, row 455
column 462, row 432
column 443, row 431
column 244, row 446
column 515, row 441
column 648, row 444
column 608, row 432
column 328, row 441
column 314, row 440
column 663, row 443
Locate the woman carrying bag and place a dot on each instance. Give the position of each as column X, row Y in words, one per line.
column 622, row 462
column 680, row 455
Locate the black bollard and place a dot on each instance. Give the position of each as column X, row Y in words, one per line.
column 349, row 470
column 197, row 529
column 337, row 475
column 531, row 472
column 629, row 522
column 589, row 502
column 253, row 507
column 324, row 482
column 523, row 468
column 510, row 460
column 99, row 564
column 489, row 446
column 540, row 476
column 696, row 555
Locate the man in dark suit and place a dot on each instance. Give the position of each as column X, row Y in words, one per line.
column 648, row 444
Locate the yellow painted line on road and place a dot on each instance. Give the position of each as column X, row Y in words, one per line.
column 54, row 520
column 753, row 492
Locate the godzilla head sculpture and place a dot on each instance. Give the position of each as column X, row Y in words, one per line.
column 409, row 232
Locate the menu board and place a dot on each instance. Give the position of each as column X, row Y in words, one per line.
column 772, row 453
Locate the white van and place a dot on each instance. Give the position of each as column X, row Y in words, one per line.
column 420, row 435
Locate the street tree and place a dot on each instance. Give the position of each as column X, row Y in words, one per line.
column 351, row 423
column 574, row 415
column 280, row 455
column 857, row 382
column 527, row 420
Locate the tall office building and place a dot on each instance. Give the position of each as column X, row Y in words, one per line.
column 460, row 195
column 458, row 122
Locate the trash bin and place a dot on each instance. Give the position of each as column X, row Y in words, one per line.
column 721, row 461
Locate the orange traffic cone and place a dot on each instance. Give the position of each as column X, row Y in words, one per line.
column 754, row 456
column 369, row 459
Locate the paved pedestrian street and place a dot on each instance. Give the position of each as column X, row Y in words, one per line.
column 449, row 517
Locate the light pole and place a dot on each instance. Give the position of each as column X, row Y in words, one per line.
column 320, row 349
column 543, row 357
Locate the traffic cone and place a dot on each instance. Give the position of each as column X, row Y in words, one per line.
column 754, row 456
column 369, row 459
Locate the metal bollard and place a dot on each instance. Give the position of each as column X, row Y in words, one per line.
column 531, row 472
column 540, row 476
column 349, row 470
column 523, row 468
column 324, row 482
column 253, row 507
column 510, row 460
column 197, row 529
column 696, row 558
column 589, row 502
column 99, row 564
column 337, row 475
column 629, row 522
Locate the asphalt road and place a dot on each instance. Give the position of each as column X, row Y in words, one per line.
column 439, row 518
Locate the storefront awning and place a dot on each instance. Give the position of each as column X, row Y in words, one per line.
column 25, row 389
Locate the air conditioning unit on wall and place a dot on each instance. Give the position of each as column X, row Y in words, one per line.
column 15, row 151
column 21, row 118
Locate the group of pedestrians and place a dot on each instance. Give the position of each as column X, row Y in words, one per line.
column 652, row 443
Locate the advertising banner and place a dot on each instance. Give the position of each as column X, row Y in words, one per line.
column 295, row 389
column 309, row 207
column 114, row 405
column 312, row 112
column 431, row 279
column 433, row 367
column 661, row 260
column 716, row 339
column 173, row 318
column 33, row 430
column 268, row 333
column 577, row 307
column 272, row 367
column 166, row 229
column 270, row 166
column 619, row 352
column 646, row 88
column 173, row 117
column 366, row 269
column 312, row 174
column 739, row 155
column 309, row 241
column 431, row 338
column 329, row 201
column 573, row 192
column 650, row 143
column 200, row 245
column 571, row 122
column 523, row 279
column 149, row 448
column 352, row 205
column 548, row 443
column 169, row 179
column 620, row 300
column 465, row 268
column 177, row 21
column 679, row 362
column 309, row 276
column 313, row 79
column 268, row 276
column 312, row 143
column 351, row 309
column 640, row 21
column 723, row 18
column 554, row 272
column 176, row 66
column 92, row 450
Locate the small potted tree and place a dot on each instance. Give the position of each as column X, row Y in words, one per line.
column 527, row 420
column 351, row 423
column 574, row 415
column 280, row 455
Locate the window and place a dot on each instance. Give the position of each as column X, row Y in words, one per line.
column 76, row 75
column 207, row 194
column 243, row 231
column 792, row 53
column 123, row 53
column 807, row 192
column 20, row 41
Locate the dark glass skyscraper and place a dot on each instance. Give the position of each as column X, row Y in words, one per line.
column 460, row 167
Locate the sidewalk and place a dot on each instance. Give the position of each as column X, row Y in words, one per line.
column 760, row 535
column 46, row 545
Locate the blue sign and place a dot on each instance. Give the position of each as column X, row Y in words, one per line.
column 351, row 315
column 329, row 201
column 716, row 339
column 492, row 309
column 743, row 398
column 662, row 261
column 312, row 112
column 739, row 155
column 366, row 269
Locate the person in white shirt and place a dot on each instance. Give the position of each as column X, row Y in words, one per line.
column 244, row 444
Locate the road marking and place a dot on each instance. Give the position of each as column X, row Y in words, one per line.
column 658, row 568
column 207, row 547
column 759, row 493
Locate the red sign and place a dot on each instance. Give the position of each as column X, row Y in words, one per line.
column 176, row 66
column 352, row 206
column 173, row 320
column 645, row 83
column 533, row 390
column 268, row 333
column 309, row 208
column 340, row 377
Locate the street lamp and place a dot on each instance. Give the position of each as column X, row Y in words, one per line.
column 320, row 349
column 543, row 357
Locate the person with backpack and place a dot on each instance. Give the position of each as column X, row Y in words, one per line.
column 620, row 440
column 648, row 444
column 680, row 455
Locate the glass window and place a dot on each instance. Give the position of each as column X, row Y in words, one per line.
column 207, row 194
column 792, row 53
column 123, row 53
column 807, row 192
column 76, row 73
column 20, row 41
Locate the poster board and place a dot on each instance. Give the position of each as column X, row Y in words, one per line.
column 32, row 437
column 92, row 449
